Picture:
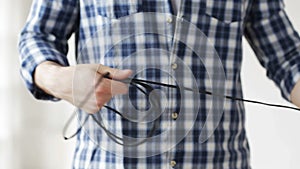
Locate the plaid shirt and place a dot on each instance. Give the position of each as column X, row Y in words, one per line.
column 263, row 22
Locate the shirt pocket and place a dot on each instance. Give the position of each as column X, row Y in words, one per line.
column 114, row 9
column 228, row 11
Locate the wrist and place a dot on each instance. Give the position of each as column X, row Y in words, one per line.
column 54, row 79
column 295, row 94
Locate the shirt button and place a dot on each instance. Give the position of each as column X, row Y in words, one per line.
column 174, row 115
column 173, row 163
column 174, row 66
column 169, row 20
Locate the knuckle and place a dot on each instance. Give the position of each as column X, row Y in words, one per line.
column 99, row 104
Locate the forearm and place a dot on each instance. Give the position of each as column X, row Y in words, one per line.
column 280, row 55
column 44, row 38
column 54, row 79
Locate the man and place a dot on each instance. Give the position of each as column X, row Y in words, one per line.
column 45, row 69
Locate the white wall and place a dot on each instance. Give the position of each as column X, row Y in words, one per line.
column 274, row 133
column 30, row 130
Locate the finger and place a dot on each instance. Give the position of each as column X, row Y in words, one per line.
column 118, row 87
column 102, row 100
column 107, row 89
column 111, row 87
column 116, row 74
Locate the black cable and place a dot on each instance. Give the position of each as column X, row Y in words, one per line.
column 80, row 105
column 114, row 137
column 217, row 95
column 135, row 82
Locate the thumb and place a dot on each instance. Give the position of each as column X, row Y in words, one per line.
column 117, row 74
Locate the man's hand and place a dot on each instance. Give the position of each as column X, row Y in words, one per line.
column 295, row 94
column 77, row 84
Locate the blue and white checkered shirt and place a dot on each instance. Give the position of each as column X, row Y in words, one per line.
column 263, row 22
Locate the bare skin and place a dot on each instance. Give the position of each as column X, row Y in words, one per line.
column 58, row 81
column 295, row 94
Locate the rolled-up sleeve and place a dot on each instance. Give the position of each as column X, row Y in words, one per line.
column 275, row 42
column 44, row 38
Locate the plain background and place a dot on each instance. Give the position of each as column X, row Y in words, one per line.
column 30, row 130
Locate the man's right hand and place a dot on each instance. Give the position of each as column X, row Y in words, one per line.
column 74, row 83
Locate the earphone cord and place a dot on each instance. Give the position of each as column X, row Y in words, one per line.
column 134, row 82
column 218, row 95
column 111, row 135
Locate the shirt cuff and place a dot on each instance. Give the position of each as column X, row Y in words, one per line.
column 289, row 82
column 29, row 65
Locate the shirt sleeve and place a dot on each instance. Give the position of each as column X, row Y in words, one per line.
column 275, row 42
column 44, row 38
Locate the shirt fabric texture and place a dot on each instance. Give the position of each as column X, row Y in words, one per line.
column 264, row 23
